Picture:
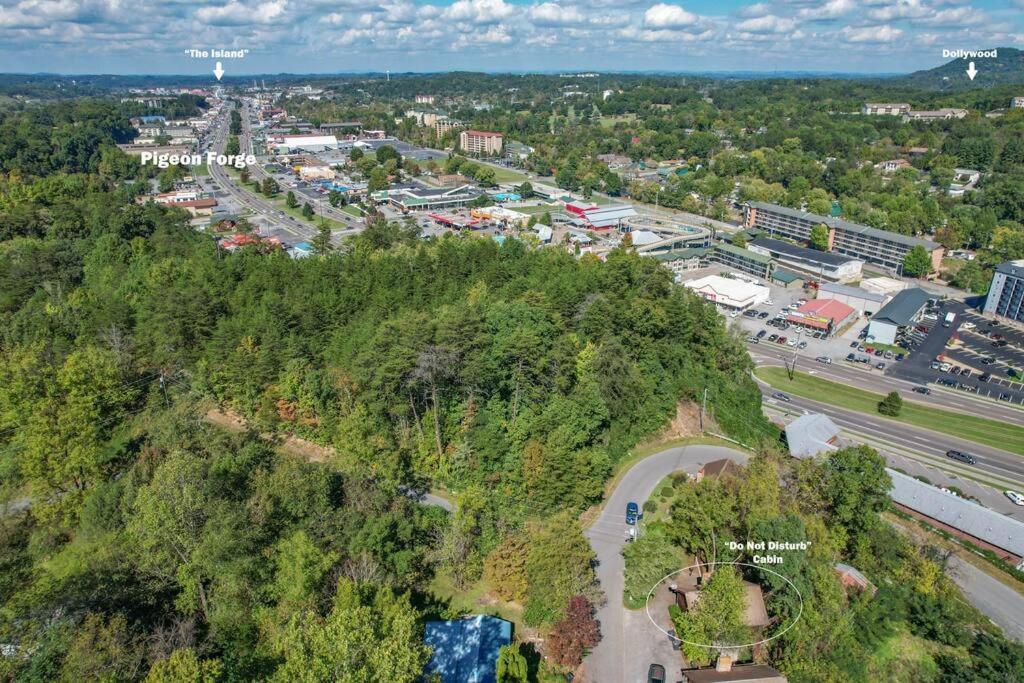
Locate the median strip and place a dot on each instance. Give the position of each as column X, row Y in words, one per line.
column 1002, row 435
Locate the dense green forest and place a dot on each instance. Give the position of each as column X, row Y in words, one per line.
column 140, row 541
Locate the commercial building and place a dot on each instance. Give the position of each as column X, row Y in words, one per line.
column 444, row 125
column 685, row 259
column 480, row 143
column 823, row 315
column 287, row 144
column 728, row 292
column 885, row 108
column 413, row 198
column 1006, row 293
column 844, row 237
column 980, row 525
column 861, row 300
column 743, row 260
column 884, row 285
column 825, row 265
column 935, row 115
column 811, row 434
column 905, row 309
column 601, row 217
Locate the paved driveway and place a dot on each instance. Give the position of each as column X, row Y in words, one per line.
column 630, row 643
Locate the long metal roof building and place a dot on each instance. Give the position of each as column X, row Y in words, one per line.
column 969, row 517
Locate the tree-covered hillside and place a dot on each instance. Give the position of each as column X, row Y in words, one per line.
column 141, row 541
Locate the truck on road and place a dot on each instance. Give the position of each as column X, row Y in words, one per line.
column 948, row 320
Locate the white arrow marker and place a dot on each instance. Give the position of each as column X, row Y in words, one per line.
column 971, row 71
column 219, row 70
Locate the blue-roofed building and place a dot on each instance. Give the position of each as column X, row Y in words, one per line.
column 506, row 197
column 466, row 650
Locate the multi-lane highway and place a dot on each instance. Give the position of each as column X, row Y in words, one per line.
column 264, row 209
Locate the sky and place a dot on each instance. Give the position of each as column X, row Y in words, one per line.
column 332, row 36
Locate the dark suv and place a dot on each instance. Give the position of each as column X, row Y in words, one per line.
column 962, row 457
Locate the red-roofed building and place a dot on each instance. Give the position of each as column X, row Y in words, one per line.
column 480, row 142
column 823, row 315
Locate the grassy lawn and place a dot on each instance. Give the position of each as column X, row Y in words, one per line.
column 472, row 600
column 903, row 658
column 1002, row 435
column 353, row 210
column 537, row 209
column 507, row 175
column 199, row 170
column 610, row 121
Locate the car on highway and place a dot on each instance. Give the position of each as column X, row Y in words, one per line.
column 632, row 512
column 655, row 673
column 1015, row 497
column 824, row 359
column 781, row 396
column 962, row 457
column 922, row 390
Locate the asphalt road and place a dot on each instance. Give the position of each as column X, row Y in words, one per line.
column 1000, row 603
column 629, row 642
column 992, row 461
column 872, row 380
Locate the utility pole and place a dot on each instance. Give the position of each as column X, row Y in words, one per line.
column 703, row 407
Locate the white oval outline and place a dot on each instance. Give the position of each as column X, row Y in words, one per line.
column 800, row 612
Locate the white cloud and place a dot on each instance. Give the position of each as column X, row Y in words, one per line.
column 901, row 9
column 767, row 24
column 553, row 14
column 240, row 14
column 479, row 12
column 872, row 34
column 757, row 10
column 829, row 10
column 663, row 16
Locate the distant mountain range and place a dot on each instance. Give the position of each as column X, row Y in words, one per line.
column 1005, row 69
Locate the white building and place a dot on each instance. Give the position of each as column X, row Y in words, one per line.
column 728, row 292
column 883, row 285
column 287, row 144
column 860, row 300
column 885, row 108
column 1017, row 103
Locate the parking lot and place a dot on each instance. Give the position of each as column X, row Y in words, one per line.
column 971, row 363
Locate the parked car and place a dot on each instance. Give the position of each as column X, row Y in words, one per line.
column 955, row 370
column 851, row 357
column 900, row 356
column 966, row 372
column 1000, row 344
column 791, row 342
column 761, row 334
column 869, row 349
column 984, row 377
column 880, row 366
column 632, row 512
column 655, row 673
column 802, row 345
column 922, row 390
column 781, row 340
column 753, row 339
column 781, row 396
column 1004, row 396
column 889, row 355
column 854, row 344
column 762, row 315
column 946, row 382
column 774, row 337
column 962, row 457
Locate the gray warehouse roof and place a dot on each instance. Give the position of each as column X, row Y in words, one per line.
column 847, row 290
column 809, row 435
column 973, row 519
column 801, row 253
column 903, row 307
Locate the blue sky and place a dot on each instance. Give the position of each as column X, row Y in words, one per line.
column 147, row 36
